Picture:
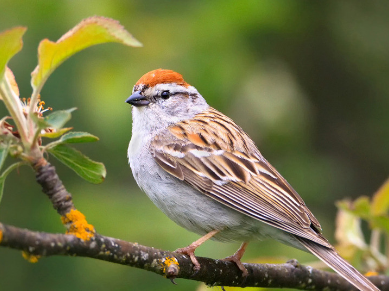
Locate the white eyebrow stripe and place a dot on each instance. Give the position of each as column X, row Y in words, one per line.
column 174, row 88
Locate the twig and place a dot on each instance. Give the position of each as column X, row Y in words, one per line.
column 52, row 186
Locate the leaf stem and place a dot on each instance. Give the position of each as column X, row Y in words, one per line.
column 12, row 167
column 14, row 107
column 6, row 173
column 33, row 104
column 387, row 247
column 375, row 240
column 51, row 145
column 34, row 98
column 36, row 136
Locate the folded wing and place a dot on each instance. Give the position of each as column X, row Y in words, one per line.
column 214, row 155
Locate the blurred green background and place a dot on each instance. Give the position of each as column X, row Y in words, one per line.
column 307, row 80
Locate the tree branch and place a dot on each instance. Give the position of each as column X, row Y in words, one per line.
column 52, row 186
column 82, row 240
column 174, row 265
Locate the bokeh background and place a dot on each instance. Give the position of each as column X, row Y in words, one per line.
column 308, row 80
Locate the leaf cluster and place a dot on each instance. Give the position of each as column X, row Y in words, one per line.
column 375, row 212
column 23, row 133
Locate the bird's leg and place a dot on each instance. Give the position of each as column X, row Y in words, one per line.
column 189, row 250
column 237, row 257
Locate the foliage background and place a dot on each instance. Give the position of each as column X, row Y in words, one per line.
column 307, row 80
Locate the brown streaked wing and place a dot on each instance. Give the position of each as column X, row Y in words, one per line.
column 293, row 194
column 214, row 155
column 169, row 165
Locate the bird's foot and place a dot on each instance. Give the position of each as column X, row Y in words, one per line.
column 189, row 251
column 238, row 263
column 236, row 258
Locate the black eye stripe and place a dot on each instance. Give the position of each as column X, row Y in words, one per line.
column 175, row 93
column 183, row 93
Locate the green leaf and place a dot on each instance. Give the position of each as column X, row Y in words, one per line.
column 58, row 118
column 380, row 201
column 78, row 137
column 56, row 133
column 380, row 222
column 89, row 32
column 91, row 171
column 344, row 204
column 348, row 229
column 10, row 77
column 362, row 207
column 10, row 44
column 3, row 154
column 2, row 182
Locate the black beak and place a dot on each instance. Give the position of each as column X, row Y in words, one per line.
column 137, row 99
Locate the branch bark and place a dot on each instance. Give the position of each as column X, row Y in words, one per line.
column 52, row 186
column 173, row 265
column 169, row 264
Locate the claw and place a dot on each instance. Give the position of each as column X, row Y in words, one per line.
column 189, row 250
column 239, row 264
column 172, row 280
column 235, row 258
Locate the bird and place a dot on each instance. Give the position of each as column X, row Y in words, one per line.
column 208, row 176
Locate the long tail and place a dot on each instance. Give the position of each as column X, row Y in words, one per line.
column 338, row 264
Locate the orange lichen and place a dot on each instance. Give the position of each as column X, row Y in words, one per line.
column 29, row 257
column 1, row 236
column 77, row 225
column 161, row 76
column 168, row 261
column 371, row 273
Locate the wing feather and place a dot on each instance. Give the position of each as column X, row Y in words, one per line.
column 214, row 155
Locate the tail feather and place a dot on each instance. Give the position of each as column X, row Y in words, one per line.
column 338, row 264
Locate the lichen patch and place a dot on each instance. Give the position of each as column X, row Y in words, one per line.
column 77, row 225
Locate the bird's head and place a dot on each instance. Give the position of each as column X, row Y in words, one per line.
column 162, row 97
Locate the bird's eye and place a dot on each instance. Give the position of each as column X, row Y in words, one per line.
column 165, row 94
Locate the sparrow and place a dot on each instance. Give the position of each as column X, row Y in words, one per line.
column 207, row 175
